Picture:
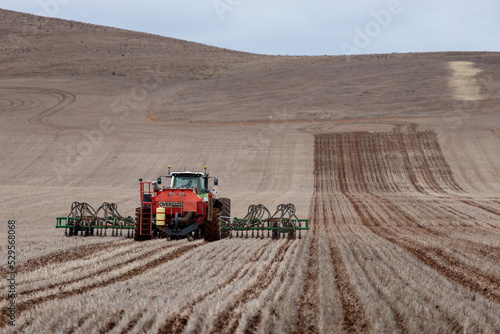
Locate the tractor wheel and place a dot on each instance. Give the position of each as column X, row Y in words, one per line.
column 226, row 207
column 137, row 236
column 212, row 228
column 225, row 212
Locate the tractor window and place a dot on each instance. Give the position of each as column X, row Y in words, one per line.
column 186, row 181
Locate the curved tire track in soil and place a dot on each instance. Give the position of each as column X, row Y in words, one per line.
column 10, row 104
column 63, row 99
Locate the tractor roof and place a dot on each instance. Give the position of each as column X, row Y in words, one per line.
column 186, row 174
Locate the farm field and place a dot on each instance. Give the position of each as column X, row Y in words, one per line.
column 393, row 158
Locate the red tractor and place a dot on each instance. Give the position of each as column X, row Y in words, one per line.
column 185, row 208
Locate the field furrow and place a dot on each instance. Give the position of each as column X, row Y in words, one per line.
column 378, row 191
column 104, row 280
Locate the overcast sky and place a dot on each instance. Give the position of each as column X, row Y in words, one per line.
column 295, row 27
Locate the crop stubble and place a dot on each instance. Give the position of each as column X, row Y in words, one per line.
column 394, row 241
column 395, row 189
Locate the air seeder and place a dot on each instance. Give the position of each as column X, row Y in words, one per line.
column 184, row 208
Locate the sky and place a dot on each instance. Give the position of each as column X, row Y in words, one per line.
column 295, row 27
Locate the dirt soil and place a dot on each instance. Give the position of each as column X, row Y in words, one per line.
column 393, row 158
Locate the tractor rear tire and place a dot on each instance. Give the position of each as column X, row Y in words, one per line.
column 137, row 236
column 212, row 228
column 225, row 212
column 226, row 207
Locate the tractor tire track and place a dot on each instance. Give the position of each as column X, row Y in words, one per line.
column 11, row 104
column 63, row 99
column 176, row 253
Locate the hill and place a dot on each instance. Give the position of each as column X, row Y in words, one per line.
column 393, row 158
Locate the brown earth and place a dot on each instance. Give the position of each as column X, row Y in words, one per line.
column 394, row 158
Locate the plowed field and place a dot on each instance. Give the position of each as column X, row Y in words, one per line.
column 403, row 247
column 393, row 158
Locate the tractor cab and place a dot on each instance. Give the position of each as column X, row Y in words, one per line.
column 188, row 180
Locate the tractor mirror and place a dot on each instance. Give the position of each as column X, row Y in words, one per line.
column 158, row 180
column 216, row 182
